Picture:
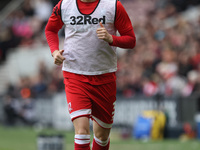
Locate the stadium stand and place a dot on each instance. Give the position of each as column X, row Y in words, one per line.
column 161, row 25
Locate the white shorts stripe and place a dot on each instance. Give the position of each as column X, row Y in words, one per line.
column 101, row 123
column 80, row 113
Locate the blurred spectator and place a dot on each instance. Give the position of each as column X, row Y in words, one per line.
column 21, row 28
column 10, row 108
column 19, row 111
column 27, row 111
column 43, row 10
column 28, row 8
column 39, row 83
column 184, row 65
column 167, row 67
column 192, row 83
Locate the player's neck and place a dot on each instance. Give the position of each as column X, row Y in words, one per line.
column 88, row 0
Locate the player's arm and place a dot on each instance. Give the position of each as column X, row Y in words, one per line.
column 123, row 24
column 54, row 24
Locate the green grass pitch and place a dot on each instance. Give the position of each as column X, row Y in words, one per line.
column 23, row 138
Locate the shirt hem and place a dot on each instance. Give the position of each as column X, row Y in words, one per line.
column 90, row 73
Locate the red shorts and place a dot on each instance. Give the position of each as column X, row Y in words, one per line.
column 94, row 101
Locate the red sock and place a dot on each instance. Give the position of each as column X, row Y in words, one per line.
column 81, row 146
column 82, row 142
column 100, row 145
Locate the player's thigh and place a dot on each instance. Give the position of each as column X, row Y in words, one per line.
column 101, row 133
column 81, row 125
column 103, row 107
column 79, row 104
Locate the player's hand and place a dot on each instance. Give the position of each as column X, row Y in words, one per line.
column 58, row 58
column 103, row 34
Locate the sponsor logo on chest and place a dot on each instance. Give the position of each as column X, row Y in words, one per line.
column 86, row 19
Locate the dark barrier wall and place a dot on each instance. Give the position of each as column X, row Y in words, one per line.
column 188, row 108
column 178, row 109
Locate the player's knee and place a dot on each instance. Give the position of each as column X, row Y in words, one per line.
column 102, row 136
column 101, row 133
column 83, row 131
